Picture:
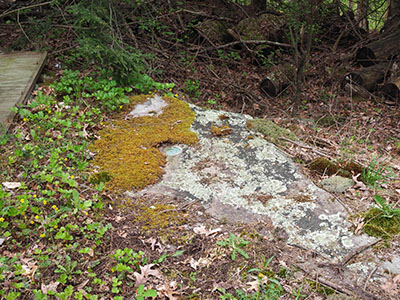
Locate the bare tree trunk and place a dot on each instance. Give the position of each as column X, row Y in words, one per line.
column 302, row 40
column 362, row 14
column 393, row 16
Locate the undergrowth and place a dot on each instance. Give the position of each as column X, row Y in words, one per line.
column 51, row 218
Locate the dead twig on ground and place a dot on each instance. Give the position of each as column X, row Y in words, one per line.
column 305, row 147
column 357, row 251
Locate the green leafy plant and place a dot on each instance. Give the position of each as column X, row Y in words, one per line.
column 67, row 270
column 141, row 293
column 375, row 172
column 388, row 210
column 192, row 88
column 235, row 244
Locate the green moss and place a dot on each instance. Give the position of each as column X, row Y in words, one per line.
column 100, row 177
column 376, row 224
column 319, row 288
column 324, row 166
column 158, row 216
column 327, row 121
column 271, row 131
column 128, row 149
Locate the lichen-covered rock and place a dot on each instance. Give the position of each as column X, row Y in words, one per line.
column 243, row 178
column 337, row 184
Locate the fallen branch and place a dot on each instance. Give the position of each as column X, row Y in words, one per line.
column 357, row 251
column 305, row 147
column 23, row 8
column 342, row 287
column 246, row 42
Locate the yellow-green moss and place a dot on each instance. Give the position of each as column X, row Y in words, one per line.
column 271, row 131
column 128, row 149
column 158, row 216
column 376, row 224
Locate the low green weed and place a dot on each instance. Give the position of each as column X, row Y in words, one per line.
column 235, row 244
column 142, row 293
column 388, row 210
column 375, row 173
column 192, row 88
column 48, row 210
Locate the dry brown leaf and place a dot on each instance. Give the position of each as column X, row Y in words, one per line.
column 202, row 230
column 52, row 286
column 169, row 290
column 390, row 286
column 145, row 272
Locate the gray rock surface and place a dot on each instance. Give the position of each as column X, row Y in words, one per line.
column 243, row 178
column 392, row 266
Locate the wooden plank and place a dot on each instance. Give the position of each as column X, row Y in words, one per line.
column 19, row 72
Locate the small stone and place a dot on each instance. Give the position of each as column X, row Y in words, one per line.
column 393, row 266
column 337, row 184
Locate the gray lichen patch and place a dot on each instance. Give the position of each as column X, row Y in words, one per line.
column 152, row 107
column 244, row 178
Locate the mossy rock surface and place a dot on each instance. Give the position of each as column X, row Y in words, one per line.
column 271, row 131
column 214, row 30
column 128, row 148
column 379, row 225
column 324, row 166
column 327, row 121
column 259, row 28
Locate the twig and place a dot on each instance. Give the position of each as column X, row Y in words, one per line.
column 305, row 147
column 248, row 42
column 357, row 251
column 343, row 288
column 23, row 8
column 200, row 13
column 23, row 31
column 369, row 277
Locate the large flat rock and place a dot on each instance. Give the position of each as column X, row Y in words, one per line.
column 242, row 178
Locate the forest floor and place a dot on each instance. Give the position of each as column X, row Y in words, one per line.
column 187, row 254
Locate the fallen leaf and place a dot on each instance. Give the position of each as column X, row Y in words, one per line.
column 145, row 272
column 390, row 286
column 52, row 286
column 359, row 184
column 202, row 262
column 11, row 185
column 169, row 290
column 396, row 279
column 202, row 230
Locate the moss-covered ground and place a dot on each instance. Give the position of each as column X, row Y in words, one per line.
column 128, row 149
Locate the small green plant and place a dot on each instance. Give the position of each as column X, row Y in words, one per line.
column 375, row 172
column 235, row 244
column 141, row 293
column 388, row 210
column 192, row 88
column 67, row 270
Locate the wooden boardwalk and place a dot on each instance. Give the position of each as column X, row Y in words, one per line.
column 19, row 72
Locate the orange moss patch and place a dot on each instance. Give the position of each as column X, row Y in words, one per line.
column 128, row 149
column 221, row 130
